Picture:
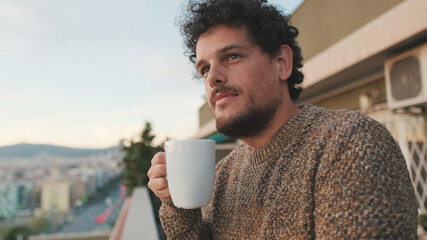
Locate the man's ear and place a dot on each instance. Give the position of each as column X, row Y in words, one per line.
column 285, row 61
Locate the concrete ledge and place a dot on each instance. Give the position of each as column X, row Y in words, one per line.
column 140, row 222
column 117, row 231
column 104, row 235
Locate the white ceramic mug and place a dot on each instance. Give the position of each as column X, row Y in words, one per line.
column 190, row 166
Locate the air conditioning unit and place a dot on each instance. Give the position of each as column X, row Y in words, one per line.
column 406, row 78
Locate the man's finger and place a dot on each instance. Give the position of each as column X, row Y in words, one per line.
column 156, row 171
column 158, row 184
column 159, row 158
column 164, row 195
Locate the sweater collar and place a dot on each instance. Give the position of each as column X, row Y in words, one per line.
column 291, row 133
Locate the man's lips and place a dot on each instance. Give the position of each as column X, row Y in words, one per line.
column 222, row 98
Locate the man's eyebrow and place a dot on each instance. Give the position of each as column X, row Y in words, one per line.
column 222, row 50
column 226, row 48
column 199, row 63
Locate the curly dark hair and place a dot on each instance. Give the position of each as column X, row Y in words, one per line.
column 267, row 27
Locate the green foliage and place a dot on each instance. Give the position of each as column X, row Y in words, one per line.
column 33, row 226
column 138, row 159
column 14, row 232
column 36, row 225
column 422, row 220
column 5, row 229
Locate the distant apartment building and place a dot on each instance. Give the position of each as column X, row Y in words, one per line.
column 100, row 177
column 15, row 199
column 55, row 196
column 88, row 176
column 60, row 194
column 8, row 200
column 68, row 187
column 24, row 189
column 35, row 197
column 77, row 189
column 367, row 56
column 24, row 198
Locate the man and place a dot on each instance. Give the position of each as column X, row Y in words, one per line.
column 303, row 172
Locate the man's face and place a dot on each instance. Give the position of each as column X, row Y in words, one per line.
column 241, row 81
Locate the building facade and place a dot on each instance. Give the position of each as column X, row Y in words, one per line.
column 8, row 200
column 55, row 196
column 371, row 56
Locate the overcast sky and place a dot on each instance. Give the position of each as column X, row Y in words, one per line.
column 88, row 73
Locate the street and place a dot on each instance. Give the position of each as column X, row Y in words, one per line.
column 97, row 216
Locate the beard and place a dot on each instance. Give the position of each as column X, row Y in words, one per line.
column 250, row 121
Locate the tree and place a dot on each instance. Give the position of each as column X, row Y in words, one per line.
column 137, row 163
column 138, row 159
column 19, row 231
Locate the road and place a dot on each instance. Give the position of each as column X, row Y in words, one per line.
column 96, row 216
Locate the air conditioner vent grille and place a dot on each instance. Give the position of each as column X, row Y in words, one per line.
column 405, row 78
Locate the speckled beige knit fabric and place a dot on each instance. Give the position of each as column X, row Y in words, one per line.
column 324, row 175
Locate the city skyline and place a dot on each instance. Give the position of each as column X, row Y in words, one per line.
column 87, row 74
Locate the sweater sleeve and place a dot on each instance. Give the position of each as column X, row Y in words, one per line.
column 182, row 223
column 363, row 189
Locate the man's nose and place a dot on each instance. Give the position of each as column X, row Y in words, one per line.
column 216, row 76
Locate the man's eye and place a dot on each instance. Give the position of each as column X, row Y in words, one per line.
column 204, row 70
column 233, row 56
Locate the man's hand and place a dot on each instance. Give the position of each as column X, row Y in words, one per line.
column 158, row 183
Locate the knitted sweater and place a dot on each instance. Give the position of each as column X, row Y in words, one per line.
column 324, row 175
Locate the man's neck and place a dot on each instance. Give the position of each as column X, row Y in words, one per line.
column 281, row 117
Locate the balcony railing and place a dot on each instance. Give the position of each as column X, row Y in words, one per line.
column 136, row 220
